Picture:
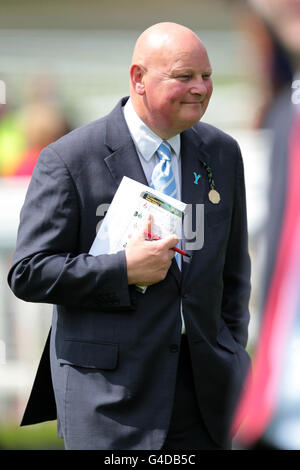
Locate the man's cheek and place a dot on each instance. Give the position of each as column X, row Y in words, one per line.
column 210, row 89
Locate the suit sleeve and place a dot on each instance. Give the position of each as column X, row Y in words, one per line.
column 47, row 267
column 236, row 277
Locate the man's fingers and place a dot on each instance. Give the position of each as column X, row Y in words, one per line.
column 145, row 228
column 148, row 223
column 169, row 242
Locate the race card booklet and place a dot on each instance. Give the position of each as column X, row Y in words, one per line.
column 128, row 212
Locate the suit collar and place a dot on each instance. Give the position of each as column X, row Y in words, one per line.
column 123, row 159
column 117, row 133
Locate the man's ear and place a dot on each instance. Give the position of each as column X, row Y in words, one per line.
column 137, row 78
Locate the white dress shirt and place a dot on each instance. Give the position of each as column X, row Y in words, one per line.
column 147, row 143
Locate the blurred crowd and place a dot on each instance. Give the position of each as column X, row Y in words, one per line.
column 269, row 411
column 25, row 132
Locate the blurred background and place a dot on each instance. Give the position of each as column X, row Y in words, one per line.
column 64, row 63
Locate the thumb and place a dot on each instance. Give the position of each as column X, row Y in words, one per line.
column 169, row 242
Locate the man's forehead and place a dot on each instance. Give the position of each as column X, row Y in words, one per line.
column 188, row 60
column 167, row 53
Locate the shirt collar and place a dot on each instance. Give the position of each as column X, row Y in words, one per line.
column 146, row 141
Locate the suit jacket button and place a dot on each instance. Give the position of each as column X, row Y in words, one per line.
column 173, row 347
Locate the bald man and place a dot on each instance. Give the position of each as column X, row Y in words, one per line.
column 163, row 369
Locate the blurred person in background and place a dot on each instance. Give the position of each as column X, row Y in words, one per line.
column 12, row 140
column 25, row 131
column 43, row 123
column 270, row 407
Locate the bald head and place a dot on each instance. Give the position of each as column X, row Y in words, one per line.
column 170, row 78
column 160, row 40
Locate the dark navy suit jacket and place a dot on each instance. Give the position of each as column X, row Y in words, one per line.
column 114, row 351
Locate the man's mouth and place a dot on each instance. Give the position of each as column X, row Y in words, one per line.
column 192, row 102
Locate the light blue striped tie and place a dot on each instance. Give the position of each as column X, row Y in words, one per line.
column 162, row 177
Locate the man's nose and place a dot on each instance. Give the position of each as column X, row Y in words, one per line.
column 199, row 86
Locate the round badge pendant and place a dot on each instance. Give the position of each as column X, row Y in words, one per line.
column 214, row 196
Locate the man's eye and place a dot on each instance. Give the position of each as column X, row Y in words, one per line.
column 184, row 77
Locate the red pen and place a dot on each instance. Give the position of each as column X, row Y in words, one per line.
column 151, row 236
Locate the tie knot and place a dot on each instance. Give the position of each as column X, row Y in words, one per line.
column 164, row 150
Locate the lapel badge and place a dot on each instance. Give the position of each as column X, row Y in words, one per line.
column 213, row 195
column 196, row 176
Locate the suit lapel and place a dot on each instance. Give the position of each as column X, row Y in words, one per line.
column 192, row 189
column 123, row 159
column 125, row 162
column 195, row 188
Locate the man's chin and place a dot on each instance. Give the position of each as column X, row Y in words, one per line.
column 193, row 119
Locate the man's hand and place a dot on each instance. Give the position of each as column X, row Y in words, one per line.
column 149, row 261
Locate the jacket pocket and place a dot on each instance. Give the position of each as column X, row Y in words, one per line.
column 88, row 354
column 225, row 339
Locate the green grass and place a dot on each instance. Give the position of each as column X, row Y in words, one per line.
column 36, row 437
